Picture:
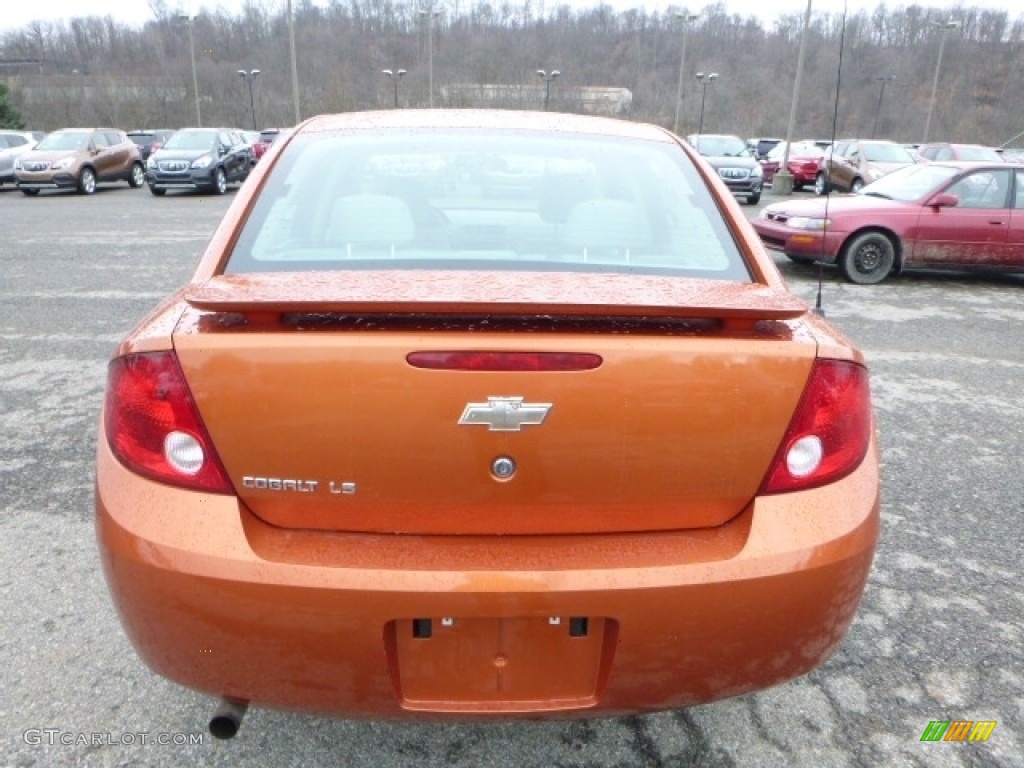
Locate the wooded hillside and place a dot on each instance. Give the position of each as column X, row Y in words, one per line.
column 92, row 70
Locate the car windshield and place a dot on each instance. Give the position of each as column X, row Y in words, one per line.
column 191, row 140
column 65, row 140
column 480, row 200
column 911, row 183
column 886, row 153
column 980, row 154
column 721, row 146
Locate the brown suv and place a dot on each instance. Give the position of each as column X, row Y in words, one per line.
column 79, row 158
column 852, row 163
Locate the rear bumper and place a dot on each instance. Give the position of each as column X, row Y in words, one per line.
column 219, row 601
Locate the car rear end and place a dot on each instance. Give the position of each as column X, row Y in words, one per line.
column 538, row 456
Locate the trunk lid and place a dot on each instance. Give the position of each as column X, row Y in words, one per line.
column 323, row 423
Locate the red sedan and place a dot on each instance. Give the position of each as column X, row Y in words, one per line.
column 938, row 215
column 804, row 162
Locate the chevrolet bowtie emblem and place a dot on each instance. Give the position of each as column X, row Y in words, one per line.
column 505, row 414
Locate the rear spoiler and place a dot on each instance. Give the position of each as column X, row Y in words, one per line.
column 433, row 292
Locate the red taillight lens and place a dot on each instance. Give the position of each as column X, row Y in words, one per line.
column 830, row 431
column 153, row 426
column 504, row 361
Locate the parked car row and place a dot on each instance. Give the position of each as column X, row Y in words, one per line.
column 850, row 164
column 207, row 159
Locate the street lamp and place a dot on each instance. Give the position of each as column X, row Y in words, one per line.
column 685, row 18
column 883, row 79
column 249, row 77
column 782, row 184
column 294, row 66
column 395, row 76
column 192, row 52
column 547, row 77
column 944, row 26
column 705, row 81
column 430, row 13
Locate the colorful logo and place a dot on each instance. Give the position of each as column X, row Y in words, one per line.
column 958, row 730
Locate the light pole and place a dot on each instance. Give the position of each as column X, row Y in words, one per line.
column 395, row 76
column 430, row 13
column 547, row 77
column 192, row 52
column 294, row 66
column 944, row 26
column 685, row 18
column 782, row 184
column 250, row 76
column 705, row 81
column 883, row 79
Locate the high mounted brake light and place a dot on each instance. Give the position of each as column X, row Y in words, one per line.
column 154, row 428
column 829, row 434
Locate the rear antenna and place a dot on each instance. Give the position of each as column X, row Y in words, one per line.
column 818, row 308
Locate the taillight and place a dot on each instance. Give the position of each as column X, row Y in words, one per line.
column 153, row 426
column 829, row 434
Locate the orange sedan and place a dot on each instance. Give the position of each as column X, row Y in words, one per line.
column 480, row 414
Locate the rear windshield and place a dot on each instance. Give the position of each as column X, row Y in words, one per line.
column 469, row 200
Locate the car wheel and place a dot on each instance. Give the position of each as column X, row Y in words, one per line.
column 30, row 192
column 157, row 192
column 857, row 186
column 220, row 182
column 87, row 181
column 138, row 177
column 868, row 258
column 754, row 199
column 820, row 184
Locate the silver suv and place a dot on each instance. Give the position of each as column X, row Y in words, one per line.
column 13, row 144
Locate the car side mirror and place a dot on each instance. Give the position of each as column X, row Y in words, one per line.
column 944, row 200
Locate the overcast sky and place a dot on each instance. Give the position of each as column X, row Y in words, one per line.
column 17, row 13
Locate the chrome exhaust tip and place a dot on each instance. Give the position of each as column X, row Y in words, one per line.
column 227, row 718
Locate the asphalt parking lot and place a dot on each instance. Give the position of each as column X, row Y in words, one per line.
column 939, row 636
